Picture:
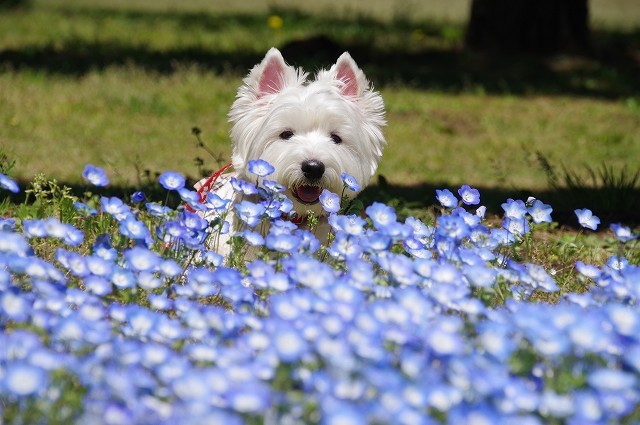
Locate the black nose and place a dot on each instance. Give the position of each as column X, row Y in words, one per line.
column 312, row 169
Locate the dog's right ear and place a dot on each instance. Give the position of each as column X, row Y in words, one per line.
column 271, row 75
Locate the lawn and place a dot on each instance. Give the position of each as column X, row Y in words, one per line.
column 121, row 85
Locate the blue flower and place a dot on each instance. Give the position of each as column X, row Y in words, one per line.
column 253, row 238
column 138, row 197
column 330, row 201
column 622, row 233
column 273, row 186
column 540, row 212
column 171, row 180
column 587, row 219
column 446, row 198
column 260, row 168
column 95, row 175
column 141, row 259
column 8, row 183
column 516, row 226
column 23, row 379
column 84, row 208
column 350, row 182
column 282, row 242
column 382, row 215
column 115, row 207
column 243, row 186
column 469, row 195
column 216, row 203
column 453, row 227
column 134, row 229
column 249, row 212
column 514, row 210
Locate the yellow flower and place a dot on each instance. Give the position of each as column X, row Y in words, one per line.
column 275, row 22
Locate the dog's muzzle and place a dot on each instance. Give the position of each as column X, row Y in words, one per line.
column 313, row 171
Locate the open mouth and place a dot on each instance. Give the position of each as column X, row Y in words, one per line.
column 307, row 194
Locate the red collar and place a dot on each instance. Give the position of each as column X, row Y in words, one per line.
column 208, row 184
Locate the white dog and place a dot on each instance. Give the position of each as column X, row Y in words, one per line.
column 309, row 131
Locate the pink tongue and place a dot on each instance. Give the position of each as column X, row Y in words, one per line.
column 308, row 193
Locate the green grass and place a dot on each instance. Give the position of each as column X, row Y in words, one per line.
column 121, row 84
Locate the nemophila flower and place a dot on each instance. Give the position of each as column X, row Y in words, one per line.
column 541, row 278
column 97, row 285
column 252, row 398
column 8, row 183
column 282, row 242
column 137, row 197
column 516, row 226
column 84, row 208
column 350, row 182
column 95, row 175
column 193, row 221
column 23, row 379
column 273, row 186
column 622, row 233
column 249, row 212
column 157, row 210
column 171, row 180
column 142, row 259
column 617, row 263
column 115, row 207
column 260, row 168
column 469, row 195
column 351, row 224
column 446, row 198
column 282, row 227
column 587, row 270
column 243, row 186
column 453, row 227
column 481, row 211
column 216, row 203
column 34, row 228
column 123, row 278
column 540, row 212
column 514, row 210
column 191, row 197
column 381, row 215
column 471, row 219
column 344, row 247
column 73, row 262
column 133, row 228
column 14, row 306
column 587, row 219
column 253, row 238
column 330, row 201
column 7, row 224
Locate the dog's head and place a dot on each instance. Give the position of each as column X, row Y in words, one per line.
column 310, row 131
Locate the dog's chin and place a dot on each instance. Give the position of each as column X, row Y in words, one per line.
column 307, row 194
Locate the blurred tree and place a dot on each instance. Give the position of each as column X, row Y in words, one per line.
column 14, row 4
column 531, row 26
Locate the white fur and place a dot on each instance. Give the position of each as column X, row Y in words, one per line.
column 276, row 97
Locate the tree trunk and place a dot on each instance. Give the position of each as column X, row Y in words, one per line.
column 529, row 26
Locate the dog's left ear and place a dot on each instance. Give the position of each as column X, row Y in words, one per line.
column 352, row 78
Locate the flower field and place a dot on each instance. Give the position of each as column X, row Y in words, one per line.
column 115, row 312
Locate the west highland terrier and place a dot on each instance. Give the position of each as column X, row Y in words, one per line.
column 309, row 131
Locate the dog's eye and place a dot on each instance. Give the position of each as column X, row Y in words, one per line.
column 286, row 135
column 336, row 139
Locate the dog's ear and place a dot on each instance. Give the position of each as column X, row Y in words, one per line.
column 272, row 73
column 352, row 78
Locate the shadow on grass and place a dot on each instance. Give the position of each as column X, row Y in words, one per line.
column 420, row 200
column 610, row 72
